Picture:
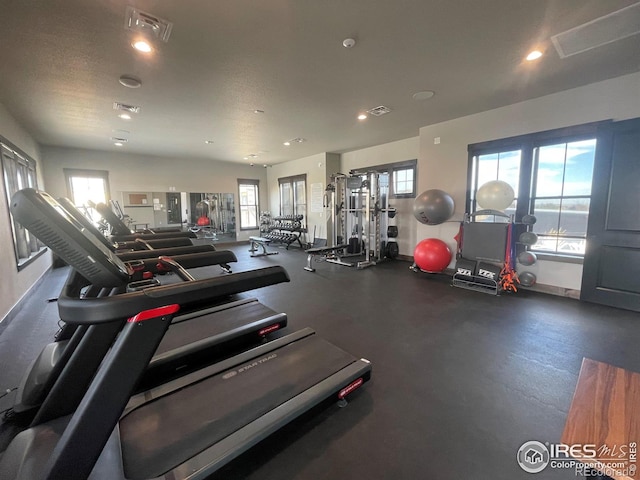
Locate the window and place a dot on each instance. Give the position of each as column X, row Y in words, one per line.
column 499, row 165
column 551, row 174
column 561, row 194
column 86, row 188
column 293, row 195
column 404, row 182
column 20, row 172
column 402, row 176
column 249, row 208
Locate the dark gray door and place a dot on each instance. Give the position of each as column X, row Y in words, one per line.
column 611, row 274
column 174, row 215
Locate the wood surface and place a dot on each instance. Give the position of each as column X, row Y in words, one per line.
column 605, row 411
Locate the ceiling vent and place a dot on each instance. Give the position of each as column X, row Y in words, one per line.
column 379, row 111
column 126, row 108
column 147, row 24
column 601, row 31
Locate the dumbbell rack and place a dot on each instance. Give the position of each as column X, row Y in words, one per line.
column 286, row 229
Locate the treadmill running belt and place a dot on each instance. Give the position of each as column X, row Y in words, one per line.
column 162, row 434
column 211, row 325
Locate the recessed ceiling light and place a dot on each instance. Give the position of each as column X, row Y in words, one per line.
column 125, row 116
column 349, row 43
column 286, row 144
column 208, row 142
column 119, row 144
column 362, row 116
column 424, row 95
column 258, row 111
column 534, row 55
column 130, row 81
column 142, row 46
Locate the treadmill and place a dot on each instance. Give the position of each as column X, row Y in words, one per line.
column 139, row 243
column 221, row 323
column 186, row 428
column 121, row 232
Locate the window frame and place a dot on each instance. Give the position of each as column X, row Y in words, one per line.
column 20, row 236
column 243, row 182
column 528, row 145
column 391, row 168
column 292, row 182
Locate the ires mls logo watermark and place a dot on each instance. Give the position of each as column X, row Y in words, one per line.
column 533, row 456
column 584, row 459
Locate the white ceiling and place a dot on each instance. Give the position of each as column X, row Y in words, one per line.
column 60, row 61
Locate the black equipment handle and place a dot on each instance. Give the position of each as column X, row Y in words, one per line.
column 75, row 309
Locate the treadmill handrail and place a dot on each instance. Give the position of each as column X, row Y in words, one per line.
column 74, row 309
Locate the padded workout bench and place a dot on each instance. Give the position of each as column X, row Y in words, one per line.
column 325, row 252
column 262, row 243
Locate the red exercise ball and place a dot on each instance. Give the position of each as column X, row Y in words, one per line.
column 432, row 255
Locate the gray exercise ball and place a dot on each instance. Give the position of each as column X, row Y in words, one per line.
column 433, row 207
column 528, row 238
column 527, row 279
column 527, row 258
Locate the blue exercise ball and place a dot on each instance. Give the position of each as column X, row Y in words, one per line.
column 433, row 207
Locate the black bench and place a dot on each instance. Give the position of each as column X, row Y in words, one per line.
column 324, row 252
column 259, row 243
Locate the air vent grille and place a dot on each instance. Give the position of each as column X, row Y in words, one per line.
column 147, row 24
column 601, row 31
column 126, row 108
column 379, row 111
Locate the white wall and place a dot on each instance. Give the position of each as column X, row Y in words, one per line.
column 399, row 151
column 139, row 173
column 444, row 165
column 14, row 284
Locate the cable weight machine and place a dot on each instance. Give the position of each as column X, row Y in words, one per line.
column 359, row 212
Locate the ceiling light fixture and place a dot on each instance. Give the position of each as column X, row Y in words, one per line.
column 286, row 144
column 125, row 116
column 534, row 55
column 208, row 142
column 362, row 116
column 142, row 46
column 348, row 43
column 130, row 81
column 119, row 144
column 258, row 111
